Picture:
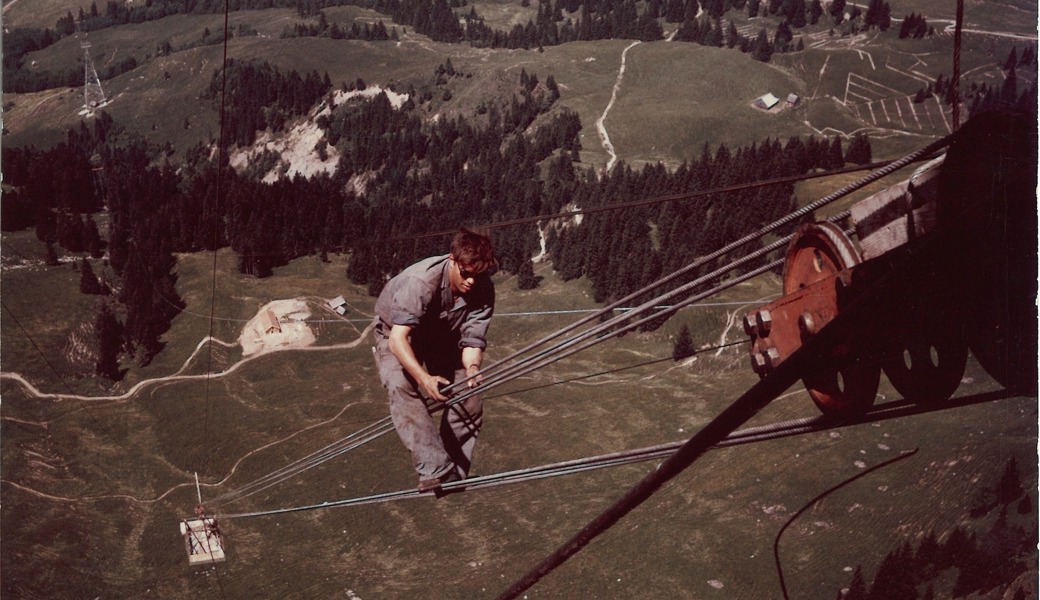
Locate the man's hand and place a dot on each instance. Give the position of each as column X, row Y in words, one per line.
column 401, row 346
column 430, row 385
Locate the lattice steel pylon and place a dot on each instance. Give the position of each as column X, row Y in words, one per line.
column 93, row 95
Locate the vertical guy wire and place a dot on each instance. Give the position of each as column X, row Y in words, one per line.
column 216, row 220
column 955, row 79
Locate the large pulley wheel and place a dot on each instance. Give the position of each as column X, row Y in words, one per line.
column 929, row 366
column 820, row 251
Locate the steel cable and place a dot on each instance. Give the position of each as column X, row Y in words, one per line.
column 749, row 435
column 790, row 217
column 385, row 426
column 507, row 372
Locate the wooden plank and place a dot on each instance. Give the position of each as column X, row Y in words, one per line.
column 898, row 214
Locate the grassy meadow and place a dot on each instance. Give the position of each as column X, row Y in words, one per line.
column 116, row 474
column 673, row 99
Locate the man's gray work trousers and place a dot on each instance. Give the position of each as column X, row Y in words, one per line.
column 435, row 451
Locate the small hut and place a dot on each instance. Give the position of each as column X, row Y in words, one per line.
column 339, row 305
column 270, row 322
column 766, row 102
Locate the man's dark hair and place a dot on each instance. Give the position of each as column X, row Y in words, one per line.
column 474, row 250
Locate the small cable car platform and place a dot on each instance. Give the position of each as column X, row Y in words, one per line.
column 203, row 539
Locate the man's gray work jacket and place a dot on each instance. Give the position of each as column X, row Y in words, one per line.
column 420, row 297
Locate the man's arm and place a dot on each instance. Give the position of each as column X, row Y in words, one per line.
column 401, row 347
column 471, row 359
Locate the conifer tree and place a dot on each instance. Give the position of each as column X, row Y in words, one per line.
column 872, row 18
column 109, row 333
column 1009, row 89
column 858, row 586
column 525, row 277
column 859, row 150
column 92, row 238
column 837, row 11
column 1009, row 488
column 88, row 281
column 683, row 346
column 927, row 556
column 714, row 36
column 885, row 20
column 673, row 11
column 894, row 579
column 783, row 36
column 1012, row 60
column 52, row 256
column 796, row 14
column 835, row 158
column 815, row 11
column 732, row 36
column 762, row 50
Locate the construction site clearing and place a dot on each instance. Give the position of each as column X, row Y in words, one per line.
column 277, row 325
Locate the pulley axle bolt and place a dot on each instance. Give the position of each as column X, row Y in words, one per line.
column 765, row 361
column 759, row 364
column 772, row 357
column 750, row 328
column 764, row 320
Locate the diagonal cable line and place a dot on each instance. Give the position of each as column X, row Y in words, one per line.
column 500, row 372
column 750, row 435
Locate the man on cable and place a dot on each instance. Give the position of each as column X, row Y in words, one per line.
column 431, row 330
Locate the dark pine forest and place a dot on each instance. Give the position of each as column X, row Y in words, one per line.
column 107, row 195
column 421, row 176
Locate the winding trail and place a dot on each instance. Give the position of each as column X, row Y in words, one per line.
column 600, row 126
column 33, row 391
